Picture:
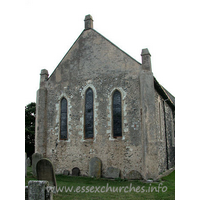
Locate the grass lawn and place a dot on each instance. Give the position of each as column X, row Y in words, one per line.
column 90, row 188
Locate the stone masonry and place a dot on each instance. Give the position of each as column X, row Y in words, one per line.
column 147, row 142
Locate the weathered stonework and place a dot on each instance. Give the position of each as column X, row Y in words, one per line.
column 112, row 172
column 45, row 171
column 35, row 158
column 38, row 190
column 134, row 175
column 94, row 62
column 160, row 127
column 95, row 167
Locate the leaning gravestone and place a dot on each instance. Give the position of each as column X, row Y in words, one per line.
column 35, row 158
column 112, row 172
column 95, row 167
column 45, row 171
column 75, row 171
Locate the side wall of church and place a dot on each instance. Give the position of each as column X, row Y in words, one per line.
column 170, row 134
column 165, row 134
column 160, row 127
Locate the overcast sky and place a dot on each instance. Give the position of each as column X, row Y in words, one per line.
column 39, row 33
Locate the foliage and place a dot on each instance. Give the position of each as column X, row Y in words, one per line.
column 30, row 111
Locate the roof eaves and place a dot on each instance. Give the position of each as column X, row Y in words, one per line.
column 164, row 94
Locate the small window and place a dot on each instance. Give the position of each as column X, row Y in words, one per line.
column 63, row 119
column 173, row 129
column 160, row 122
column 117, row 114
column 89, row 122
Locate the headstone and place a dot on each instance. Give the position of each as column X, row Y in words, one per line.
column 28, row 161
column 75, row 171
column 35, row 158
column 45, row 171
column 66, row 172
column 134, row 175
column 25, row 165
column 112, row 172
column 95, row 167
column 36, row 190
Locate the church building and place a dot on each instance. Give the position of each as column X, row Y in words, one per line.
column 100, row 102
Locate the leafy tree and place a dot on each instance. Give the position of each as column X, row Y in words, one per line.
column 30, row 111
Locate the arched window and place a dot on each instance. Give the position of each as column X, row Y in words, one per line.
column 63, row 119
column 89, row 122
column 117, row 114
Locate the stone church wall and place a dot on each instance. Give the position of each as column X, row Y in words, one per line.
column 160, row 127
column 147, row 142
column 70, row 80
column 165, row 134
column 170, row 128
column 123, row 153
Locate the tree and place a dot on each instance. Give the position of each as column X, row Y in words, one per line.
column 30, row 111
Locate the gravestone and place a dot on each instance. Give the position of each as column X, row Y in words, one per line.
column 45, row 171
column 112, row 172
column 37, row 190
column 25, row 165
column 35, row 158
column 75, row 171
column 134, row 175
column 28, row 161
column 95, row 167
column 66, row 172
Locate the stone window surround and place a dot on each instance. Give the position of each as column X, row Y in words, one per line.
column 85, row 113
column 95, row 116
column 96, row 104
column 113, row 126
column 173, row 130
column 63, row 95
column 60, row 118
column 110, row 115
column 160, row 118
